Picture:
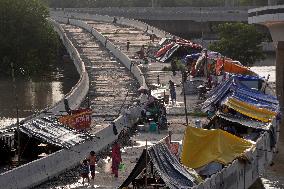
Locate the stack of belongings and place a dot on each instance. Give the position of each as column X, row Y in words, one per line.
column 176, row 48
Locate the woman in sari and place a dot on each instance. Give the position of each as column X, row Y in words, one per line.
column 116, row 158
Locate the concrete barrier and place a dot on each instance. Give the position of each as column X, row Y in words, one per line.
column 119, row 20
column 134, row 69
column 38, row 171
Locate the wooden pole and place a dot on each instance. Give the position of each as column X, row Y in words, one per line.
column 146, row 172
column 184, row 97
column 17, row 112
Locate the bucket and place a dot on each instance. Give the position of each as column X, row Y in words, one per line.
column 153, row 127
column 121, row 167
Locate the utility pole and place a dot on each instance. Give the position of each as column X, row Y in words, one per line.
column 202, row 33
column 184, row 96
column 146, row 171
column 17, row 112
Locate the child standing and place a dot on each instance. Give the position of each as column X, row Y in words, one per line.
column 85, row 171
column 92, row 162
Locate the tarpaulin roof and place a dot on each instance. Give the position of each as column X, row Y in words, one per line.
column 244, row 121
column 255, row 102
column 201, row 147
column 167, row 55
column 174, row 174
column 231, row 67
column 51, row 131
column 250, row 110
column 178, row 48
column 163, row 50
column 233, row 86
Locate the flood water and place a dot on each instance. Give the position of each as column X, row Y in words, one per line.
column 35, row 94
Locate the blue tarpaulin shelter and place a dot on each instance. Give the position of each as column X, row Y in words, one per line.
column 235, row 89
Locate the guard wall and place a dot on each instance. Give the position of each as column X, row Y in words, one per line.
column 38, row 171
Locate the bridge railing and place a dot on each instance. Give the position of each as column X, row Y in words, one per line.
column 38, row 171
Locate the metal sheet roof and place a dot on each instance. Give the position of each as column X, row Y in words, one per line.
column 51, row 131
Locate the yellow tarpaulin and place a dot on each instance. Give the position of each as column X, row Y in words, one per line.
column 252, row 111
column 201, row 147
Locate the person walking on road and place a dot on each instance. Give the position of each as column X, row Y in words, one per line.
column 174, row 66
column 85, row 171
column 92, row 162
column 127, row 45
column 172, row 91
column 116, row 158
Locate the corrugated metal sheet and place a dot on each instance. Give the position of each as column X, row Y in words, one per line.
column 49, row 130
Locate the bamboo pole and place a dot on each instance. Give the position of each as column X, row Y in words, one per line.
column 146, row 172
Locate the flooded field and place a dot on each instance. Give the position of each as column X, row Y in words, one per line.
column 35, row 94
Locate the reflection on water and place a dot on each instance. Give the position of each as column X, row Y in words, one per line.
column 35, row 94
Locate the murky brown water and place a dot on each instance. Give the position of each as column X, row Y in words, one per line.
column 35, row 94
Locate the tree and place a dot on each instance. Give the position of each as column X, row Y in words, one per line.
column 26, row 37
column 239, row 41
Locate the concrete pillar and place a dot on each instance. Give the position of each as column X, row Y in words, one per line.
column 280, row 72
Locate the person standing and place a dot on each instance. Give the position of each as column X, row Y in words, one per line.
column 172, row 91
column 92, row 162
column 127, row 45
column 174, row 66
column 116, row 158
column 85, row 171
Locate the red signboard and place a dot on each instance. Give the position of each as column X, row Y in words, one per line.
column 79, row 119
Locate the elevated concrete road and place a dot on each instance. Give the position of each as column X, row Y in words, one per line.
column 198, row 14
column 110, row 81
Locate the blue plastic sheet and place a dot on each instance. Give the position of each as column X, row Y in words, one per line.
column 233, row 86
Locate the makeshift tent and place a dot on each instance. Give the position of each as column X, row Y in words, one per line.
column 230, row 66
column 255, row 102
column 169, row 53
column 201, row 147
column 163, row 50
column 179, row 48
column 168, row 167
column 51, row 131
column 234, row 87
column 249, row 110
column 252, row 123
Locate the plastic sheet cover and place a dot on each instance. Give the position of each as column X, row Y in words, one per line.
column 49, row 130
column 201, row 147
column 171, row 171
column 244, row 121
column 250, row 110
column 174, row 174
column 231, row 67
column 256, row 102
column 232, row 86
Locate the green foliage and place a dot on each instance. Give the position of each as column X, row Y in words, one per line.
column 26, row 38
column 240, row 42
